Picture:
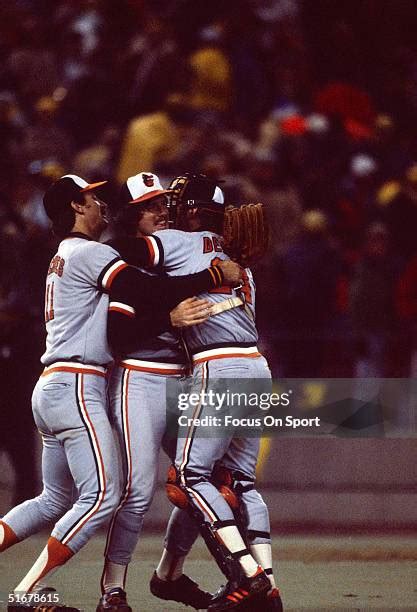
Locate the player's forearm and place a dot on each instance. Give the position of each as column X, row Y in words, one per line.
column 174, row 289
column 126, row 334
column 147, row 293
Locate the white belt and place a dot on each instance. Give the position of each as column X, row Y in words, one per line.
column 226, row 352
column 75, row 367
column 154, row 367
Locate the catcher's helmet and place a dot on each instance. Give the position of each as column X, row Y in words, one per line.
column 195, row 190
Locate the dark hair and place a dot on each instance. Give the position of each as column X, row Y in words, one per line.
column 211, row 218
column 65, row 219
column 127, row 219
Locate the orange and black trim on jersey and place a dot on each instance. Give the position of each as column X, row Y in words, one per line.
column 109, row 273
column 124, row 309
column 155, row 250
column 216, row 275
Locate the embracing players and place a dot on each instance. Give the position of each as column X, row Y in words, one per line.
column 222, row 347
column 70, row 398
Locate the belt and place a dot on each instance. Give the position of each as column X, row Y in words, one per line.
column 154, row 367
column 227, row 352
column 75, row 367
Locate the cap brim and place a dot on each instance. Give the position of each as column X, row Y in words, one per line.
column 92, row 186
column 150, row 195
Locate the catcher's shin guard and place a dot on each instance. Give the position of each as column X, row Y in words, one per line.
column 228, row 565
column 174, row 490
column 225, row 481
column 179, row 495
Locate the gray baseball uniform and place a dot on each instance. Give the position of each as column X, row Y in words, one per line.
column 69, row 401
column 223, row 347
column 137, row 393
column 138, row 406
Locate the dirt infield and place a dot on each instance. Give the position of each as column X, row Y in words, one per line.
column 315, row 574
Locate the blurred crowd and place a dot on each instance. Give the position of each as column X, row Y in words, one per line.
column 305, row 105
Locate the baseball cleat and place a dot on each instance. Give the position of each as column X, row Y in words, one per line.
column 267, row 603
column 183, row 589
column 240, row 595
column 273, row 601
column 114, row 600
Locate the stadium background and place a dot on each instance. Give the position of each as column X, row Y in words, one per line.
column 308, row 106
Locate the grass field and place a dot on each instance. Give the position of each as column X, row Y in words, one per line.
column 344, row 573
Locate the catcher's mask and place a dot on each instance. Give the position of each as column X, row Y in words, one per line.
column 194, row 190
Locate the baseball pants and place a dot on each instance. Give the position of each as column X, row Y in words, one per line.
column 138, row 412
column 196, row 455
column 78, row 459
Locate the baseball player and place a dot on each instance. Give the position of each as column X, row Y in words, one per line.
column 224, row 346
column 137, row 402
column 69, row 400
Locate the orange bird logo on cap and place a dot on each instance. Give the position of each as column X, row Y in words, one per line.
column 149, row 180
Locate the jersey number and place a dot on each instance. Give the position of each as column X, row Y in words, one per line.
column 49, row 302
column 245, row 289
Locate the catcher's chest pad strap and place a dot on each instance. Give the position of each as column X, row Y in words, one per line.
column 225, row 305
column 228, row 304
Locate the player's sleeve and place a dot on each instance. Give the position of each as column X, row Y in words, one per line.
column 98, row 265
column 145, row 293
column 166, row 249
column 127, row 323
column 175, row 248
column 139, row 304
column 145, row 252
column 126, row 329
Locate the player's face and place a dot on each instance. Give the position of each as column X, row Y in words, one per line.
column 95, row 213
column 154, row 217
column 184, row 218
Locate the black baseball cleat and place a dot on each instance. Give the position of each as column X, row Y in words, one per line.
column 267, row 603
column 183, row 589
column 273, row 601
column 114, row 600
column 240, row 595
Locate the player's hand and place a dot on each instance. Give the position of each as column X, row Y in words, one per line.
column 191, row 311
column 232, row 272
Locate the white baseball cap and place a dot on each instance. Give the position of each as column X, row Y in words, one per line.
column 142, row 187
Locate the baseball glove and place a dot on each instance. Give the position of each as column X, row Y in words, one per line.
column 246, row 233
